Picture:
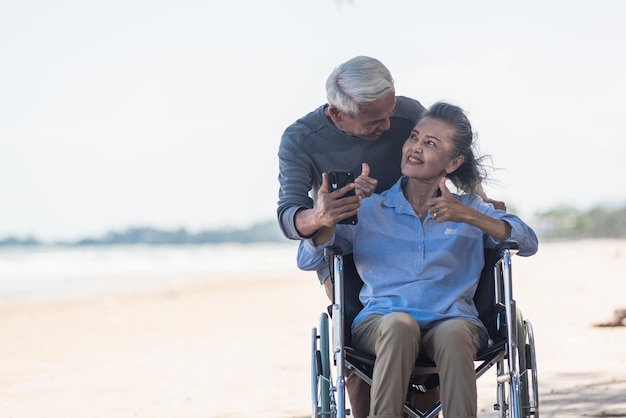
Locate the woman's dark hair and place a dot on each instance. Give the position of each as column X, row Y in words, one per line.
column 472, row 172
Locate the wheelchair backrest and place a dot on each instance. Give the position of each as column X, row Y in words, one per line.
column 484, row 298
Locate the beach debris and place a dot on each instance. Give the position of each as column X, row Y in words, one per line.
column 619, row 315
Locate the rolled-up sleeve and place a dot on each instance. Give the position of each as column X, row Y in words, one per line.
column 523, row 235
column 311, row 256
column 521, row 232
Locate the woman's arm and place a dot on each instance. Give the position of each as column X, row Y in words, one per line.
column 498, row 229
column 499, row 225
column 448, row 208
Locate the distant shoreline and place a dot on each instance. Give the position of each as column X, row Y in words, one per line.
column 561, row 223
column 264, row 232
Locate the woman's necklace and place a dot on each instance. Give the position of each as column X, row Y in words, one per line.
column 421, row 214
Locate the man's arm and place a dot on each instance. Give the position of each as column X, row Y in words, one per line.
column 299, row 216
column 296, row 179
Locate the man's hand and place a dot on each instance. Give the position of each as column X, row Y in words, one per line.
column 332, row 207
column 496, row 203
column 329, row 209
column 365, row 185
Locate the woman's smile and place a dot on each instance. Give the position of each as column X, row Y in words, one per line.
column 414, row 160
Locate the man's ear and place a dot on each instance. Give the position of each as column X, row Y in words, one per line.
column 455, row 164
column 335, row 114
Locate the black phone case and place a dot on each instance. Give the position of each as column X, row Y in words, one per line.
column 338, row 179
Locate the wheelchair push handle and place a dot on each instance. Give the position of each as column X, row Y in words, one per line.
column 331, row 251
column 512, row 246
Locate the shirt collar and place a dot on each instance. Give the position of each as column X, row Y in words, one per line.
column 394, row 198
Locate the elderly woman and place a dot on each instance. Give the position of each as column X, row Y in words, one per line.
column 419, row 250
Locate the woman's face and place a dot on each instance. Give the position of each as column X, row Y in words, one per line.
column 426, row 153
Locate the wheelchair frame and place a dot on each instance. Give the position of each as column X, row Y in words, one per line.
column 513, row 351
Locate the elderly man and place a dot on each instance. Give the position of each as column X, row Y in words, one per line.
column 361, row 129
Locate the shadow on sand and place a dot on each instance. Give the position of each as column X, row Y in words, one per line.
column 598, row 399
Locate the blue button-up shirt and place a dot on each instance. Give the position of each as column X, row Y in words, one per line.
column 428, row 270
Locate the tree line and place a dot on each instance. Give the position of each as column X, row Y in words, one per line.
column 261, row 232
column 560, row 223
column 571, row 223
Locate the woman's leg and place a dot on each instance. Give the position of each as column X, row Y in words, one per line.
column 453, row 345
column 395, row 340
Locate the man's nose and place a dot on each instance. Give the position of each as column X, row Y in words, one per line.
column 385, row 124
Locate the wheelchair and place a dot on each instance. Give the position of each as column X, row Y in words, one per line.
column 512, row 352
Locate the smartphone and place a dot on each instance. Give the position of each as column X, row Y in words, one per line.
column 338, row 179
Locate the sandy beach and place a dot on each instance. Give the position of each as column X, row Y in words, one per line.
column 238, row 345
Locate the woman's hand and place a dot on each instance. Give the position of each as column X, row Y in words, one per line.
column 365, row 185
column 449, row 208
column 446, row 207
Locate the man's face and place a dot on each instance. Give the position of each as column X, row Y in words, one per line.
column 371, row 121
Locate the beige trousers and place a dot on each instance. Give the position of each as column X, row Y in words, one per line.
column 359, row 391
column 396, row 340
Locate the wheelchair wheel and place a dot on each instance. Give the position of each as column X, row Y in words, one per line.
column 529, row 390
column 320, row 370
column 530, row 408
column 517, row 391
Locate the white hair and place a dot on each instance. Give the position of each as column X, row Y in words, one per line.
column 356, row 82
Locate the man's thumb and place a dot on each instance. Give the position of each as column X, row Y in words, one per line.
column 325, row 187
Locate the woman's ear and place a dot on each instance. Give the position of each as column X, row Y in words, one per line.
column 455, row 164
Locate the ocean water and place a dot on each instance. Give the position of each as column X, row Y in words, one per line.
column 50, row 272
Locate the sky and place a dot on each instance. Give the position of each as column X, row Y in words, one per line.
column 168, row 114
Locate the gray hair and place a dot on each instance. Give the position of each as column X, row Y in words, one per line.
column 356, row 82
column 473, row 170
